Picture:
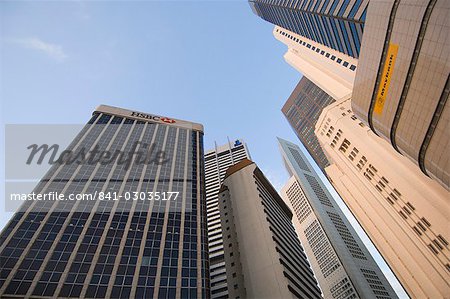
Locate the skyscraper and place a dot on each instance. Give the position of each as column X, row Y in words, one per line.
column 402, row 85
column 335, row 24
column 342, row 264
column 217, row 161
column 334, row 72
column 124, row 247
column 302, row 110
column 262, row 252
column 404, row 212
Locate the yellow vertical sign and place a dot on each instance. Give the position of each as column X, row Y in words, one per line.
column 386, row 78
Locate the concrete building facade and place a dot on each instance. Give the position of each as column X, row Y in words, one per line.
column 331, row 70
column 262, row 252
column 123, row 247
column 402, row 83
column 404, row 212
column 340, row 260
column 217, row 161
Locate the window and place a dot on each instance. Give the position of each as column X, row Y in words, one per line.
column 444, row 241
column 433, row 249
column 422, row 227
column 345, row 63
column 407, row 210
column 403, row 215
column 426, row 222
column 411, row 206
column 333, row 57
column 417, row 230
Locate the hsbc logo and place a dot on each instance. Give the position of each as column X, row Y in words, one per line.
column 167, row 120
column 153, row 117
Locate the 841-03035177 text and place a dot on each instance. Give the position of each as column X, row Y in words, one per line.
column 139, row 195
column 97, row 195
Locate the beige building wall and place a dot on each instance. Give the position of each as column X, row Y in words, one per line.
column 402, row 84
column 331, row 70
column 405, row 213
column 263, row 256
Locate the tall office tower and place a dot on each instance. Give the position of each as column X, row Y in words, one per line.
column 402, row 84
column 331, row 70
column 302, row 109
column 262, row 252
column 341, row 262
column 404, row 212
column 217, row 162
column 117, row 247
column 335, row 24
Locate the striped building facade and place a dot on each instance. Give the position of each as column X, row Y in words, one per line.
column 121, row 248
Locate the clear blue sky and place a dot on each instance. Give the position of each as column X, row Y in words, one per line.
column 212, row 62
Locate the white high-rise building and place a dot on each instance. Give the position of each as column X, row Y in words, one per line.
column 331, row 70
column 340, row 260
column 404, row 212
column 217, row 161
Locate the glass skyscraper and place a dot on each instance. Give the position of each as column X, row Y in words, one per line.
column 121, row 247
column 302, row 110
column 335, row 24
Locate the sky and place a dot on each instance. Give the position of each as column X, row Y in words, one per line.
column 212, row 62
